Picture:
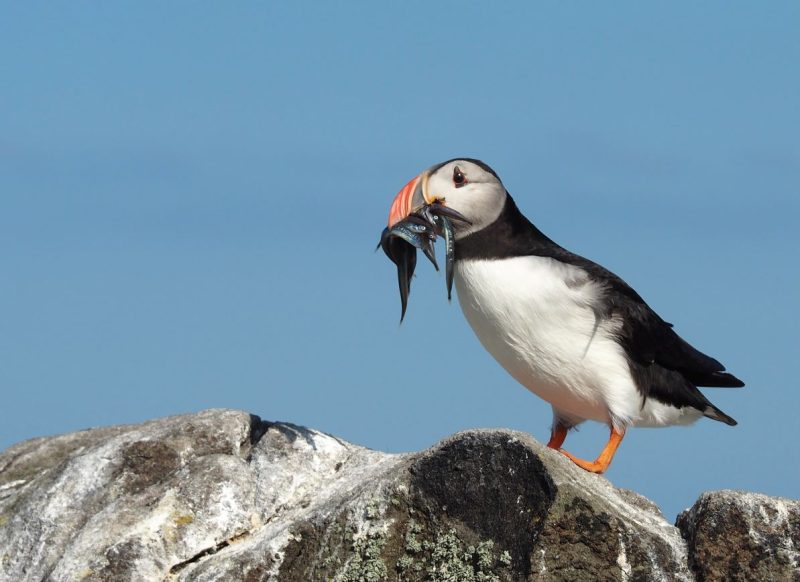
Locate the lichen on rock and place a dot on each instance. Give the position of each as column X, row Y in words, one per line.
column 740, row 535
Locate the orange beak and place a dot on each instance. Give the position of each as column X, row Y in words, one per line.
column 413, row 196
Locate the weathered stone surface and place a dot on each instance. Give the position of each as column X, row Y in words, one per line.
column 734, row 535
column 222, row 495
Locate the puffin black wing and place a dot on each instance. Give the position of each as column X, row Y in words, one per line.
column 648, row 339
column 663, row 364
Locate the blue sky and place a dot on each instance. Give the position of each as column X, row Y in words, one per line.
column 192, row 195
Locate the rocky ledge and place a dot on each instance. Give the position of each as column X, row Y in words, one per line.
column 223, row 495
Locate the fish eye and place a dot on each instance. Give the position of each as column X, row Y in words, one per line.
column 459, row 179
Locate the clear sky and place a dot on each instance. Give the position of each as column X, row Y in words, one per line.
column 192, row 194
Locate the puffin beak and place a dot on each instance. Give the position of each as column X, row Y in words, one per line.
column 413, row 196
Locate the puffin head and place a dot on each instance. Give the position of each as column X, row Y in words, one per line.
column 452, row 200
column 467, row 186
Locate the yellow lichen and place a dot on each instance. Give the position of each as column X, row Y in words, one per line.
column 180, row 519
column 184, row 519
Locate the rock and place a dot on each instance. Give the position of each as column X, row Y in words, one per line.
column 734, row 535
column 223, row 495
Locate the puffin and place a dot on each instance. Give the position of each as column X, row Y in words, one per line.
column 566, row 328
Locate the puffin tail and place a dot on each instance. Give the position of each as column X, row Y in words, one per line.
column 715, row 413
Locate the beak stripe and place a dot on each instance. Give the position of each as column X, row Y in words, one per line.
column 401, row 207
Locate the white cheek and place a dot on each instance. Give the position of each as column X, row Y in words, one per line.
column 481, row 206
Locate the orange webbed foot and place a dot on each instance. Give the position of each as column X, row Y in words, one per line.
column 599, row 465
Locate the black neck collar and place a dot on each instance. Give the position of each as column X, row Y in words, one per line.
column 510, row 235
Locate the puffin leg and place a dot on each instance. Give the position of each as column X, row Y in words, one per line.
column 557, row 436
column 602, row 462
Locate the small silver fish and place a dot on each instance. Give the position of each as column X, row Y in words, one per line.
column 419, row 230
column 446, row 227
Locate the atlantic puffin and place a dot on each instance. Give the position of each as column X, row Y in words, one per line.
column 566, row 328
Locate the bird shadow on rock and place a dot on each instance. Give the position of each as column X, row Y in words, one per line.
column 291, row 431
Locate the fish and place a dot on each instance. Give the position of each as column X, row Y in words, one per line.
column 419, row 230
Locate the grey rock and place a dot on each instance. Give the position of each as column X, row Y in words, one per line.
column 736, row 535
column 223, row 495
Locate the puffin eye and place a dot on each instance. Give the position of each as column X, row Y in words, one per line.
column 459, row 179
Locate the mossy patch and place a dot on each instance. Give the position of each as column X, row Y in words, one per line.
column 405, row 545
column 448, row 558
column 348, row 549
column 412, row 544
column 366, row 564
